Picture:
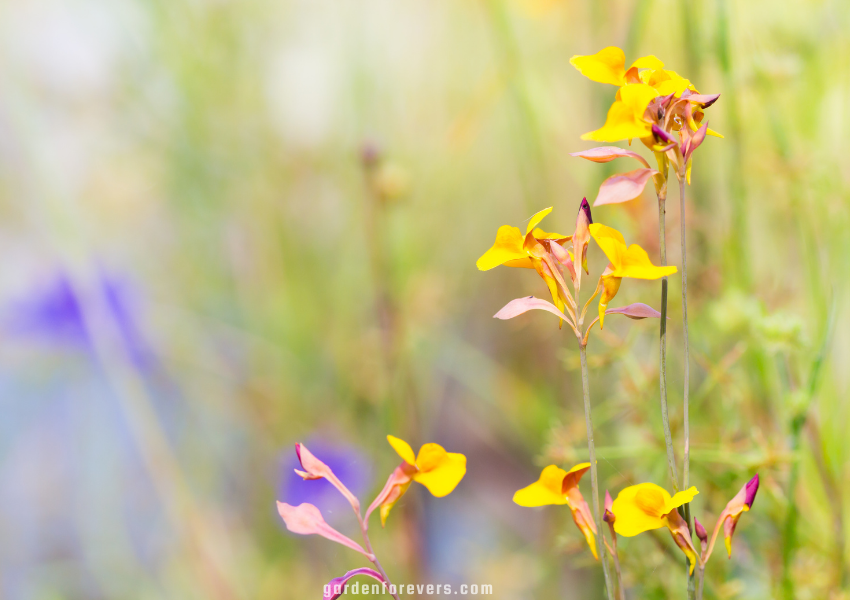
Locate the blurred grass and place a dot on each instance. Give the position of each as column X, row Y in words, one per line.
column 210, row 154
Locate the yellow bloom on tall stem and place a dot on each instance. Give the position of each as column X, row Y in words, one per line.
column 609, row 66
column 536, row 249
column 559, row 487
column 433, row 467
column 647, row 506
column 626, row 261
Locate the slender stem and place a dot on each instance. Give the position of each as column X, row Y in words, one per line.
column 662, row 243
column 367, row 542
column 686, row 457
column 701, row 578
column 621, row 591
column 594, row 477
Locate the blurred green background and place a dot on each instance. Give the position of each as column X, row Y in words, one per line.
column 200, row 270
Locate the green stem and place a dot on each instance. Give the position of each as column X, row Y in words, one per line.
column 701, row 577
column 594, row 476
column 665, row 419
column 686, row 458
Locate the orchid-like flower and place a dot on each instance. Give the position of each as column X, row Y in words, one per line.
column 557, row 486
column 433, row 467
column 626, row 261
column 647, row 506
column 536, row 250
column 737, row 506
column 557, row 260
column 652, row 104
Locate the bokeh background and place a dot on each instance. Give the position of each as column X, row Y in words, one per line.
column 230, row 226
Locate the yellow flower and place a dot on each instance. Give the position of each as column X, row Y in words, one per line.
column 626, row 118
column 436, row 469
column 557, row 486
column 666, row 81
column 647, row 506
column 626, row 261
column 529, row 251
column 609, row 66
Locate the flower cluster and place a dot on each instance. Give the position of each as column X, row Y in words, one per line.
column 554, row 254
column 439, row 471
column 653, row 104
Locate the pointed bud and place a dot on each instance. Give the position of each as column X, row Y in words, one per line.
column 581, row 237
column 752, row 489
column 608, row 517
column 702, row 534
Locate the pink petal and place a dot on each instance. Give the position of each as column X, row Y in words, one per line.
column 635, row 311
column 623, row 187
column 306, row 519
column 316, row 469
column 704, row 100
column 398, row 477
column 606, row 154
column 336, row 586
column 519, row 306
column 695, row 140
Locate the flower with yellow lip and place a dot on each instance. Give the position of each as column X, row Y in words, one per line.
column 647, row 506
column 626, row 117
column 626, row 261
column 559, row 487
column 609, row 66
column 534, row 250
column 433, row 467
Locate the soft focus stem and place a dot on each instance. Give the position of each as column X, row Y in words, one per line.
column 621, row 591
column 662, row 244
column 594, row 476
column 701, row 581
column 687, row 367
column 367, row 542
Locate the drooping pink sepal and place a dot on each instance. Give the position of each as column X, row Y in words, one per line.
column 606, row 154
column 637, row 310
column 623, row 187
column 396, row 486
column 514, row 308
column 306, row 519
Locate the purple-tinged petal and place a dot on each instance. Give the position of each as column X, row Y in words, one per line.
column 609, row 517
column 662, row 135
column 695, row 140
column 702, row 534
column 336, row 586
column 395, row 487
column 635, row 311
column 519, row 306
column 752, row 489
column 704, row 100
column 623, row 187
column 606, row 154
column 585, row 208
column 306, row 519
column 316, row 469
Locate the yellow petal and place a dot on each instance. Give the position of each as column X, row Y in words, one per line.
column 546, row 490
column 542, row 235
column 610, row 287
column 439, row 471
column 610, row 241
column 521, row 263
column 710, row 131
column 387, row 505
column 667, row 82
column 625, row 117
column 507, row 247
column 536, row 218
column 606, row 66
column 681, row 498
column 639, row 508
column 403, row 449
column 636, row 264
column 648, row 62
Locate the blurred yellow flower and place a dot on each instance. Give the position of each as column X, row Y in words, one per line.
column 647, row 506
column 436, row 469
column 559, row 487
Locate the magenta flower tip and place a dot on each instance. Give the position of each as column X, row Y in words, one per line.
column 298, row 451
column 752, row 490
column 585, row 207
column 702, row 534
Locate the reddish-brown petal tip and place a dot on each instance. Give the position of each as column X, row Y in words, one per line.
column 585, row 207
column 661, row 134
